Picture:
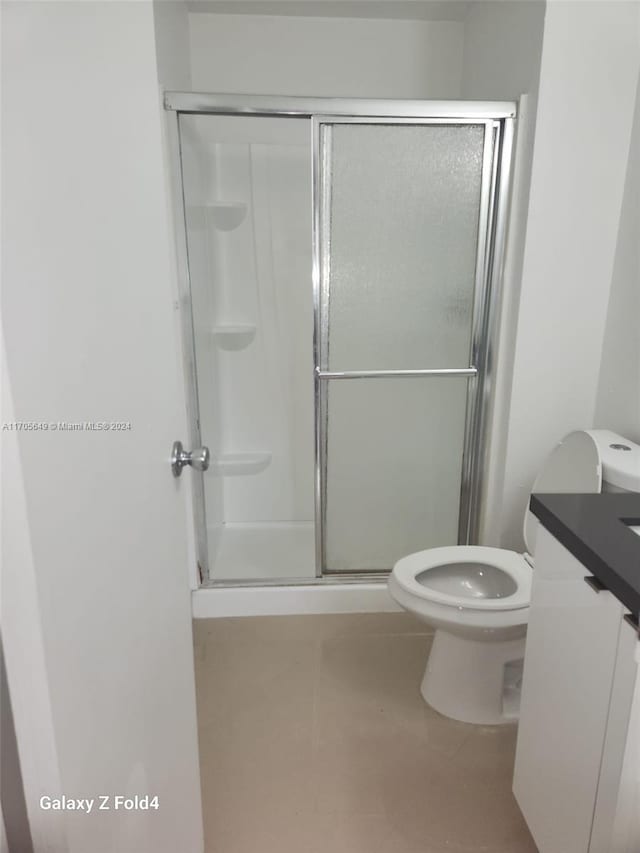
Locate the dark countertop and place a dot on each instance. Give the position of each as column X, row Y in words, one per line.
column 595, row 529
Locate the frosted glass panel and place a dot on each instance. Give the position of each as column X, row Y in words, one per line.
column 402, row 238
column 394, row 459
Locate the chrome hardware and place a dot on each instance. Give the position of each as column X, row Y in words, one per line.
column 286, row 105
column 595, row 584
column 198, row 459
column 381, row 374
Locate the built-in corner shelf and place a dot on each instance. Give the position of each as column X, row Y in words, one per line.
column 226, row 216
column 240, row 464
column 234, row 336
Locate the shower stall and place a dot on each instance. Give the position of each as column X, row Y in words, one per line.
column 341, row 267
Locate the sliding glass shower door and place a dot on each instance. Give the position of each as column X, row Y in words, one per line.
column 342, row 260
column 400, row 301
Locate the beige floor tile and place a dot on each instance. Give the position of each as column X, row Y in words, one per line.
column 367, row 834
column 458, row 805
column 240, row 677
column 299, row 832
column 314, row 737
column 369, row 686
column 311, row 626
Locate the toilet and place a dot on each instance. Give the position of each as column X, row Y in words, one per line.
column 477, row 598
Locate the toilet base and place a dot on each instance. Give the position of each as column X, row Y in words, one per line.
column 474, row 681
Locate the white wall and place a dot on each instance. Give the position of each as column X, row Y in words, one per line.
column 589, row 70
column 22, row 639
column 502, row 48
column 99, row 651
column 171, row 25
column 326, row 56
column 502, row 53
column 14, row 820
column 618, row 400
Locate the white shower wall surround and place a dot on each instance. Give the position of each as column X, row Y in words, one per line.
column 252, row 305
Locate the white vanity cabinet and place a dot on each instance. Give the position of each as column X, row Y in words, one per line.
column 574, row 737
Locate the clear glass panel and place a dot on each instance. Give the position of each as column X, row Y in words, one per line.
column 248, row 211
column 394, row 461
column 399, row 254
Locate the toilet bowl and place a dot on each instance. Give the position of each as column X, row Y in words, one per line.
column 477, row 598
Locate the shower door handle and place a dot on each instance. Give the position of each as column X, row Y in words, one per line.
column 198, row 459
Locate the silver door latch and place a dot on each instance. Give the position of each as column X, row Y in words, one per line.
column 198, row 459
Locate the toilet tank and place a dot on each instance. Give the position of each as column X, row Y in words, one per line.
column 586, row 462
column 620, row 459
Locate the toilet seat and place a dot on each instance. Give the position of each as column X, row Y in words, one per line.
column 407, row 570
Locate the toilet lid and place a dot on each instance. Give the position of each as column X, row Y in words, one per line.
column 573, row 467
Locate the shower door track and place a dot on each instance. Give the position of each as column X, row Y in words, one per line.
column 293, row 106
column 498, row 118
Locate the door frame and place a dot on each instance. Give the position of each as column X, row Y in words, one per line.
column 498, row 118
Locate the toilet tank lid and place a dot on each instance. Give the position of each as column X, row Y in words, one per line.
column 620, row 459
column 574, row 467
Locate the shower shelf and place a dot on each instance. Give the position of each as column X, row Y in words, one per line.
column 240, row 464
column 226, row 216
column 234, row 336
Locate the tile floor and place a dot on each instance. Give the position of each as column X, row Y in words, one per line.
column 314, row 737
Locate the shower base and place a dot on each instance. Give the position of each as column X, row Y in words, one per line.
column 262, row 551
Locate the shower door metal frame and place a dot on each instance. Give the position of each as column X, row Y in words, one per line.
column 498, row 132
column 498, row 118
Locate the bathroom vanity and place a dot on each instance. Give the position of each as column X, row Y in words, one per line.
column 577, row 769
